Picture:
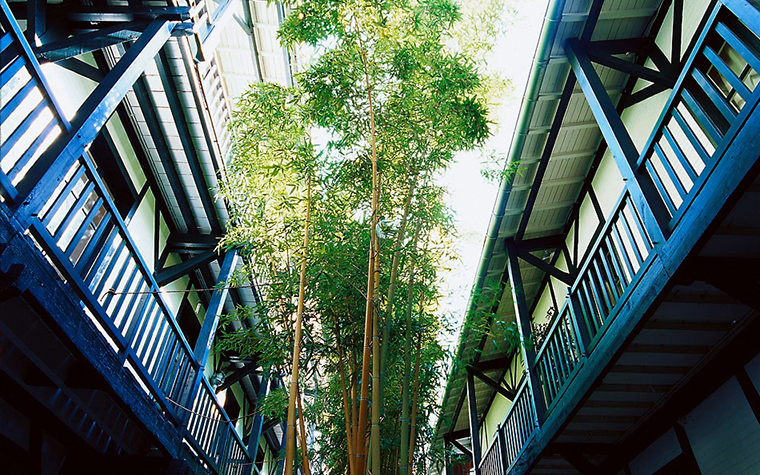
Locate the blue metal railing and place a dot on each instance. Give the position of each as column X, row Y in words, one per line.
column 83, row 235
column 710, row 102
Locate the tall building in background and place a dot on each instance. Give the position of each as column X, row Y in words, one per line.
column 113, row 139
column 613, row 328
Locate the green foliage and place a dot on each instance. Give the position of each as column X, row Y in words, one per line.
column 428, row 104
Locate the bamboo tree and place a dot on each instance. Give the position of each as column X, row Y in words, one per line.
column 302, row 430
column 415, row 399
column 404, row 462
column 294, row 394
column 392, row 284
column 346, row 403
column 373, row 256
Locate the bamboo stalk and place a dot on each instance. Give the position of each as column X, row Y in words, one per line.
column 376, row 394
column 305, row 470
column 346, row 402
column 361, row 432
column 415, row 398
column 290, row 435
column 392, row 287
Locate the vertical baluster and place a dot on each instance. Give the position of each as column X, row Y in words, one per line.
column 161, row 361
column 606, row 272
column 631, row 239
column 622, row 252
column 73, row 211
column 686, row 165
column 702, row 117
column 153, row 351
column 111, row 293
column 646, row 241
column 145, row 307
column 96, row 243
column 67, row 190
column 34, row 149
column 696, row 144
column 99, row 279
column 596, row 273
column 616, row 269
column 585, row 309
column 83, row 227
column 120, row 318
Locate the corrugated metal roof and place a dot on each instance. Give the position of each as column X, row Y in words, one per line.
column 572, row 155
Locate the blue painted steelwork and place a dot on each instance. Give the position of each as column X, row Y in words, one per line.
column 702, row 145
column 71, row 215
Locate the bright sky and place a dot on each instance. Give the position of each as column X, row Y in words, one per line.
column 470, row 194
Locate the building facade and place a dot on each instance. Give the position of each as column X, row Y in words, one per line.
column 113, row 139
column 613, row 326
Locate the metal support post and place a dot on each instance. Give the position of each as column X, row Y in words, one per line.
column 522, row 316
column 256, row 427
column 653, row 210
column 214, row 310
column 473, row 412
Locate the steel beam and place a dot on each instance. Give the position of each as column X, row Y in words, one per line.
column 238, row 375
column 633, row 69
column 461, row 447
column 522, row 316
column 618, row 141
column 546, row 267
column 214, row 310
column 89, row 42
column 473, row 417
column 509, row 394
column 45, row 175
column 35, row 20
column 170, row 274
column 109, row 13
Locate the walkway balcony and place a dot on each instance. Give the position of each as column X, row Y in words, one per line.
column 624, row 339
column 77, row 290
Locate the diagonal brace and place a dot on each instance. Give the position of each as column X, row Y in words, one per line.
column 498, row 387
column 546, row 267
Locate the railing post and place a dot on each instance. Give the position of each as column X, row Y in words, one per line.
column 256, row 426
column 522, row 316
column 214, row 311
column 643, row 190
column 579, row 323
column 473, row 413
column 502, row 441
column 208, row 328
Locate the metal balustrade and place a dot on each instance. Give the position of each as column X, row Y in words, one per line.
column 620, row 251
column 491, row 463
column 706, row 105
column 83, row 235
column 512, row 435
column 28, row 118
column 559, row 355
